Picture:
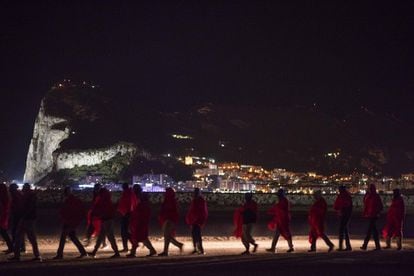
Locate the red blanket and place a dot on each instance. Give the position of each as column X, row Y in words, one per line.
column 281, row 218
column 395, row 218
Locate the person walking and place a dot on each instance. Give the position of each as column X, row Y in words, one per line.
column 5, row 204
column 26, row 224
column 105, row 211
column 139, row 226
column 94, row 223
column 124, row 208
column 16, row 211
column 168, row 218
column 244, row 219
column 72, row 212
column 197, row 217
column 372, row 209
column 316, row 218
column 280, row 222
column 343, row 206
column 395, row 218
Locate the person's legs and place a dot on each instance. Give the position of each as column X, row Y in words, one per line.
column 108, row 224
column 32, row 237
column 199, row 239
column 327, row 241
column 99, row 240
column 15, row 223
column 6, row 238
column 274, row 241
column 341, row 235
column 125, row 232
column 375, row 234
column 368, row 235
column 166, row 229
column 244, row 238
column 62, row 242
column 147, row 243
column 346, row 235
column 194, row 237
column 76, row 242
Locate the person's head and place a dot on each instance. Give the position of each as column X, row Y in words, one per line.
column 317, row 195
column 169, row 193
column 137, row 189
column 248, row 197
column 67, row 191
column 396, row 193
column 26, row 187
column 125, row 186
column 342, row 189
column 96, row 188
column 197, row 192
column 13, row 188
column 372, row 189
column 280, row 193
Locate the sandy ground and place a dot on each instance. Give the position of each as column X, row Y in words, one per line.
column 222, row 253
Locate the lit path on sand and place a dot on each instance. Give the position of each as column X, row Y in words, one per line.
column 222, row 258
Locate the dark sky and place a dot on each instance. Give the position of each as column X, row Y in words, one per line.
column 175, row 54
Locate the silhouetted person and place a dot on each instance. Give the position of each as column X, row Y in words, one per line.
column 372, row 209
column 124, row 208
column 244, row 219
column 168, row 219
column 94, row 223
column 72, row 212
column 197, row 217
column 139, row 226
column 280, row 222
column 26, row 224
column 317, row 215
column 395, row 219
column 16, row 212
column 104, row 209
column 5, row 204
column 343, row 205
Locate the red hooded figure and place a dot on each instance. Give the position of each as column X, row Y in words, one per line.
column 72, row 211
column 197, row 214
column 126, row 202
column 243, row 215
column 139, row 222
column 103, row 207
column 372, row 203
column 395, row 218
column 343, row 203
column 169, row 208
column 5, row 205
column 316, row 219
column 281, row 218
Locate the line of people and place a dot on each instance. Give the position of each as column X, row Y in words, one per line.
column 246, row 216
column 135, row 211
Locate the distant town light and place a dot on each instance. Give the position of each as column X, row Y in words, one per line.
column 181, row 136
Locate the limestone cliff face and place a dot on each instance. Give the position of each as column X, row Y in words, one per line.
column 47, row 135
column 69, row 160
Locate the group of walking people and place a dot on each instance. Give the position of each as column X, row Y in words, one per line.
column 19, row 209
column 246, row 216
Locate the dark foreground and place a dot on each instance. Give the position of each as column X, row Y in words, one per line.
column 223, row 252
column 336, row 263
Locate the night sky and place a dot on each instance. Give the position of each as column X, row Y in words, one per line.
column 176, row 54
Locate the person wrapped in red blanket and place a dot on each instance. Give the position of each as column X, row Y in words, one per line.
column 93, row 222
column 395, row 219
column 104, row 209
column 168, row 218
column 316, row 218
column 197, row 217
column 139, row 224
column 72, row 213
column 244, row 219
column 125, row 204
column 372, row 209
column 280, row 222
